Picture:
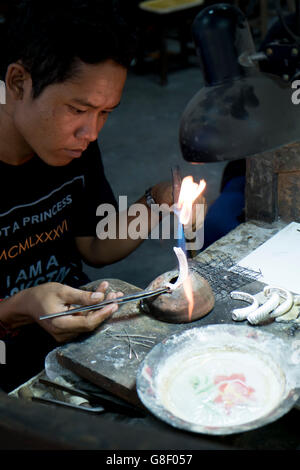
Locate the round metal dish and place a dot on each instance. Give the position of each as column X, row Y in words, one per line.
column 220, row 379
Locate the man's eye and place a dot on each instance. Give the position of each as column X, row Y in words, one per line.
column 105, row 114
column 76, row 110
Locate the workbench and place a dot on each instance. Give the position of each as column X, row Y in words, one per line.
column 112, row 431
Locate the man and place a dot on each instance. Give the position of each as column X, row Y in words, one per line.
column 64, row 70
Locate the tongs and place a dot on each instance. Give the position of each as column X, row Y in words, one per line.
column 119, row 300
column 104, row 402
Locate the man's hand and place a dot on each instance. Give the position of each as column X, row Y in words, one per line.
column 162, row 193
column 53, row 297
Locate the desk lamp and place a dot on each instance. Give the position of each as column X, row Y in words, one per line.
column 240, row 111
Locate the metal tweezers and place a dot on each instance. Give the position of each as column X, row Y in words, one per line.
column 103, row 403
column 119, row 300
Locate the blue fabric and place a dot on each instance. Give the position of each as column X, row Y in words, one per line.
column 223, row 215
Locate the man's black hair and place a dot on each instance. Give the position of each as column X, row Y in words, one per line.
column 48, row 37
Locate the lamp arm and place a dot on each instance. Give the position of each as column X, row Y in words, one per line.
column 294, row 36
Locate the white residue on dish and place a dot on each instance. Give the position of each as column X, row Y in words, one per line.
column 220, row 387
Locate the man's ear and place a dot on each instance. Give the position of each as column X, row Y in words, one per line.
column 16, row 77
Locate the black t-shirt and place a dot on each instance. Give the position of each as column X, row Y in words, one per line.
column 42, row 210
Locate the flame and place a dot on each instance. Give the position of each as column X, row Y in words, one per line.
column 188, row 290
column 189, row 192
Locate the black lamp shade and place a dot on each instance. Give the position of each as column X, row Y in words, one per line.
column 240, row 111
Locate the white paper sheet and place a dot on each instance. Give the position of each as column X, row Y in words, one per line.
column 278, row 259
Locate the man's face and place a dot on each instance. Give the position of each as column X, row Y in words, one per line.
column 59, row 124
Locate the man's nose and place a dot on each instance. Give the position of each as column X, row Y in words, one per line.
column 90, row 129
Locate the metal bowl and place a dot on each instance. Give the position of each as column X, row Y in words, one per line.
column 220, row 379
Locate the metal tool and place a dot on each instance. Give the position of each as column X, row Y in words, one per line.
column 119, row 300
column 103, row 403
column 176, row 183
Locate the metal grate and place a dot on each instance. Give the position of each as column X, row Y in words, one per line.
column 221, row 279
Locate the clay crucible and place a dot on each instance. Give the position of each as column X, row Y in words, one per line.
column 173, row 307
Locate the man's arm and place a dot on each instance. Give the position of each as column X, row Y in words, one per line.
column 99, row 252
